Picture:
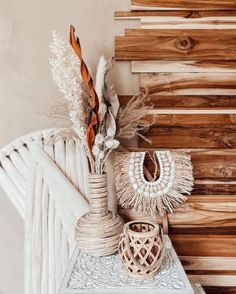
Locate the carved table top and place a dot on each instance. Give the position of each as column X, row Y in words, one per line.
column 104, row 275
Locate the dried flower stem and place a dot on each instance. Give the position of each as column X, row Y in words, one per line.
column 130, row 120
column 94, row 121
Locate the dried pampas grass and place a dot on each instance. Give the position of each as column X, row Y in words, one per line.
column 131, row 120
column 97, row 120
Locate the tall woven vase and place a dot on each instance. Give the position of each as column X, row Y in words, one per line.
column 98, row 232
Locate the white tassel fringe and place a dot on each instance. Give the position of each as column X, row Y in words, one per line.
column 167, row 203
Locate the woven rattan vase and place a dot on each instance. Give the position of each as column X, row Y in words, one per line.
column 98, row 232
column 141, row 248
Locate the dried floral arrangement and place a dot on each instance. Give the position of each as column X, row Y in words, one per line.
column 98, row 122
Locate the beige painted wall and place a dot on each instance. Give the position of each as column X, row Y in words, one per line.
column 27, row 90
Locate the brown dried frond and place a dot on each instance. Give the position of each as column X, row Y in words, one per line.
column 131, row 118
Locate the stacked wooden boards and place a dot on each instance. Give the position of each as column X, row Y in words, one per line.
column 185, row 53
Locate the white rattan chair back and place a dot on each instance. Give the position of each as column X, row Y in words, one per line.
column 47, row 184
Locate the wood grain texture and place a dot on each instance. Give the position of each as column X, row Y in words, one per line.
column 185, row 53
column 178, row 32
column 188, row 102
column 199, row 245
column 189, row 83
column 191, row 14
column 218, row 188
column 216, row 280
column 191, row 131
column 166, row 23
column 199, row 230
column 210, row 164
column 154, row 66
column 191, row 120
column 220, row 290
column 200, row 214
column 156, row 112
column 214, row 165
column 215, row 272
column 185, row 137
column 138, row 44
column 208, row 263
column 182, row 5
column 182, row 19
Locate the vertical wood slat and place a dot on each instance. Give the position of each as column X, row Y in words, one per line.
column 57, row 249
column 61, row 247
column 83, row 170
column 19, row 163
column 13, row 193
column 71, row 172
column 59, row 153
column 51, row 241
column 45, row 238
column 24, row 153
column 14, row 175
column 64, row 251
column 37, row 234
column 71, row 164
column 28, row 231
column 60, row 159
column 36, row 225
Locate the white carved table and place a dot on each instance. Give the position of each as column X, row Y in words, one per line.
column 93, row 275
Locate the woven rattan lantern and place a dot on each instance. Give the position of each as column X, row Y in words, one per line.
column 141, row 248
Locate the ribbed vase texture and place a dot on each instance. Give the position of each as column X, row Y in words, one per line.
column 98, row 232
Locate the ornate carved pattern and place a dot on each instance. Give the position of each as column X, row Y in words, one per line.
column 106, row 273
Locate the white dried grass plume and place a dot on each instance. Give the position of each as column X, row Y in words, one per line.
column 100, row 77
column 66, row 72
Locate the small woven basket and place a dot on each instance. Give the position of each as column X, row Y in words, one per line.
column 141, row 248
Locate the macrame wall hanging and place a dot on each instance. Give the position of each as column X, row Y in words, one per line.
column 161, row 195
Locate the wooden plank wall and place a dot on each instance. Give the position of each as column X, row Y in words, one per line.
column 185, row 53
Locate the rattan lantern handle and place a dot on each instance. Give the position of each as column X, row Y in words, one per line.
column 137, row 264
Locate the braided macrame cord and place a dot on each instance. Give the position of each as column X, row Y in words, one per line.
column 161, row 196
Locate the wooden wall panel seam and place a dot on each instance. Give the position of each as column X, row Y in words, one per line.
column 182, row 5
column 180, row 66
column 188, row 102
column 208, row 263
column 214, row 280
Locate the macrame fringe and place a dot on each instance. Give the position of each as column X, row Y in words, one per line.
column 167, row 203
